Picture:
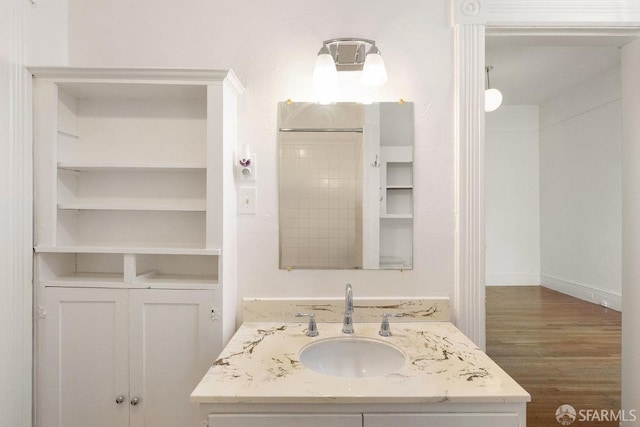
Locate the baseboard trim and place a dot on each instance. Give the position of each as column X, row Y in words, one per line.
column 584, row 292
column 512, row 279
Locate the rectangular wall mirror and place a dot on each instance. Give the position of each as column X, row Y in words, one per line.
column 346, row 185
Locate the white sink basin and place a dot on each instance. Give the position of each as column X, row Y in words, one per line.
column 352, row 357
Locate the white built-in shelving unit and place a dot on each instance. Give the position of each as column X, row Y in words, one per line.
column 134, row 193
column 397, row 182
column 396, row 186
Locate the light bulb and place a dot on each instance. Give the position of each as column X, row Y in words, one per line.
column 492, row 100
column 325, row 74
column 374, row 72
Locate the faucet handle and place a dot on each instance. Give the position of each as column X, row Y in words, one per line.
column 312, row 329
column 385, row 329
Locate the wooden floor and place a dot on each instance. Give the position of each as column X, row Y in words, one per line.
column 562, row 350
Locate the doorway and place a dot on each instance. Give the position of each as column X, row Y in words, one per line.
column 553, row 162
column 470, row 19
column 553, row 188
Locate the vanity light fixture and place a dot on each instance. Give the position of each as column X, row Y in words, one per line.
column 349, row 54
column 492, row 97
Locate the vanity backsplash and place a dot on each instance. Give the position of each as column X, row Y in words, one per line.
column 415, row 309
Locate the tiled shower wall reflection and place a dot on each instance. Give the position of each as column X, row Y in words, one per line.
column 321, row 200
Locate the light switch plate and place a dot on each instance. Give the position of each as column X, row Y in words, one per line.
column 247, row 200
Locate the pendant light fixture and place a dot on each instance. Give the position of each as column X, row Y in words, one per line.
column 492, row 97
column 349, row 54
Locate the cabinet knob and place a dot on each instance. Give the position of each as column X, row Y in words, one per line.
column 120, row 399
column 135, row 401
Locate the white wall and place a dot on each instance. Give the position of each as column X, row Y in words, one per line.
column 28, row 34
column 46, row 34
column 580, row 190
column 272, row 47
column 512, row 196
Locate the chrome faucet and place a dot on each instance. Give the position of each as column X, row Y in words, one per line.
column 347, row 324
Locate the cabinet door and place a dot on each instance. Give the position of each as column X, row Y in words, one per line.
column 172, row 344
column 285, row 420
column 442, row 420
column 84, row 361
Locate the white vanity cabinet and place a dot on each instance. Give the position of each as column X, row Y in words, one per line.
column 103, row 348
column 446, row 379
column 134, row 229
column 471, row 419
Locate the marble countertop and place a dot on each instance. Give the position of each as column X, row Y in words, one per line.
column 261, row 365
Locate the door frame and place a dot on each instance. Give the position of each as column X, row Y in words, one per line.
column 470, row 19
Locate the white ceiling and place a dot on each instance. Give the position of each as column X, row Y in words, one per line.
column 529, row 69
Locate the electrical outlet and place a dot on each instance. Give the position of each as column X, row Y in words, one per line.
column 247, row 200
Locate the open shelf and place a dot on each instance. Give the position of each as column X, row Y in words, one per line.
column 81, row 269
column 396, row 216
column 85, row 279
column 126, row 189
column 124, row 270
column 140, row 205
column 399, row 187
column 113, row 249
column 131, row 228
column 399, row 174
column 156, row 270
column 399, row 202
column 396, row 250
column 395, row 262
column 142, row 167
column 173, row 281
column 397, row 182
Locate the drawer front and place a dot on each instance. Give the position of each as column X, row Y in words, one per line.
column 285, row 420
column 442, row 420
